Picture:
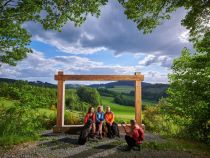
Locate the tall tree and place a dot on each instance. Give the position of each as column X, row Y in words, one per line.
column 189, row 93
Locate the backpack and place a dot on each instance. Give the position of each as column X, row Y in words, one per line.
column 84, row 133
column 115, row 129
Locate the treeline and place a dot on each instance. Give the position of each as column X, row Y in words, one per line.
column 81, row 98
column 41, row 96
column 30, row 95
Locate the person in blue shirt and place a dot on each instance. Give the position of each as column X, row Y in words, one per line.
column 99, row 121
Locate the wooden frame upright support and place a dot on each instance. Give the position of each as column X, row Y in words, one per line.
column 138, row 101
column 61, row 102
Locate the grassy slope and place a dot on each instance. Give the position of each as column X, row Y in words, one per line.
column 121, row 112
column 128, row 89
column 119, row 89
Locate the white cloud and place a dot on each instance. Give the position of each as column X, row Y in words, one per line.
column 37, row 67
column 155, row 77
column 163, row 61
column 71, row 48
column 184, row 37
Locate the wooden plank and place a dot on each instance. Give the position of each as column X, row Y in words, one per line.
column 138, row 102
column 60, row 103
column 99, row 77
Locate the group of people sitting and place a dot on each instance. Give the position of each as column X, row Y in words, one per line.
column 98, row 118
column 134, row 133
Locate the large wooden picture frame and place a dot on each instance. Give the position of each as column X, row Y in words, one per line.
column 61, row 78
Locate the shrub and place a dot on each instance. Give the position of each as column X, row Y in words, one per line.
column 72, row 118
column 89, row 95
column 160, row 123
column 123, row 100
column 18, row 124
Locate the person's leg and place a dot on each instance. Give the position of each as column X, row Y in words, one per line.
column 116, row 130
column 109, row 130
column 100, row 129
column 113, row 133
column 96, row 128
column 130, row 141
column 93, row 129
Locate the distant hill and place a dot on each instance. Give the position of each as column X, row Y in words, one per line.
column 122, row 83
column 149, row 91
column 36, row 83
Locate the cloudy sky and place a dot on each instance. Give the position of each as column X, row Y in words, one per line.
column 110, row 44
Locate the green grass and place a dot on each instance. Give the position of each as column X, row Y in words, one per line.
column 6, row 102
column 122, row 113
column 120, row 89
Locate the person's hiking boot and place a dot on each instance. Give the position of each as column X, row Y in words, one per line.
column 137, row 147
column 128, row 148
column 93, row 135
column 100, row 136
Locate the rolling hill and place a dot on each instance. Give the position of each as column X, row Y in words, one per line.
column 151, row 92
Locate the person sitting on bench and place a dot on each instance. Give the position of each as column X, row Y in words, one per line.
column 91, row 116
column 99, row 121
column 135, row 136
column 109, row 118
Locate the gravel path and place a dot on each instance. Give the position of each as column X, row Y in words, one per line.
column 63, row 145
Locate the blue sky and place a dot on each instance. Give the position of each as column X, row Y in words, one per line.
column 110, row 44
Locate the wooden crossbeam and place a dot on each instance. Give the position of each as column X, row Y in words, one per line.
column 99, row 77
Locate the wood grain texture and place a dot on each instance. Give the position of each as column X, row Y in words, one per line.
column 138, row 102
column 60, row 104
column 99, row 77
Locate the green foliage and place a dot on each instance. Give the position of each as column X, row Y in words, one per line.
column 89, row 95
column 73, row 101
column 33, row 96
column 17, row 124
column 14, row 39
column 122, row 99
column 148, row 14
column 189, row 93
column 160, row 123
column 73, row 118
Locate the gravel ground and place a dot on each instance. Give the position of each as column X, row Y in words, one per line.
column 63, row 145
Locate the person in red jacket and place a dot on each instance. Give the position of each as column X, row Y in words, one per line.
column 91, row 116
column 135, row 136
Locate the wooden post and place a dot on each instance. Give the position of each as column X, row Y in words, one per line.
column 138, row 101
column 61, row 101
